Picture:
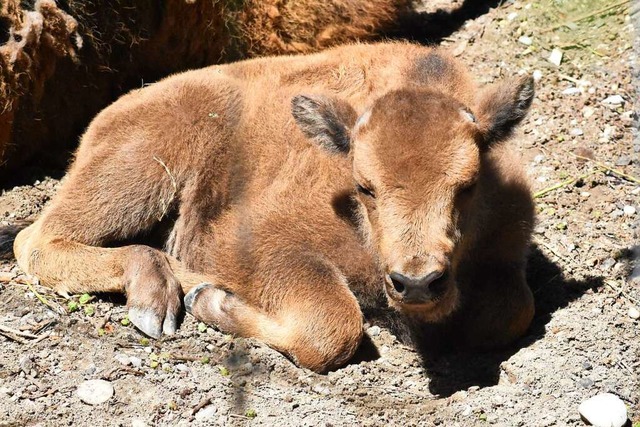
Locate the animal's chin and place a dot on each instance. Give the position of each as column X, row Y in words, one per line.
column 433, row 310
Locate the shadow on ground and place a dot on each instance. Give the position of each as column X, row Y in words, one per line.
column 432, row 27
column 451, row 372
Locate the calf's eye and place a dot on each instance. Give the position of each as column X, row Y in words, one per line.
column 366, row 191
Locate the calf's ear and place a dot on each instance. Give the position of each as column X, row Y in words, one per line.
column 502, row 106
column 325, row 121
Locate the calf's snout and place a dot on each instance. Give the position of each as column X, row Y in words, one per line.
column 416, row 289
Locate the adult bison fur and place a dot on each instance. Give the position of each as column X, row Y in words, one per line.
column 61, row 62
column 295, row 191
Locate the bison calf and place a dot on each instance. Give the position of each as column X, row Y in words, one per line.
column 289, row 191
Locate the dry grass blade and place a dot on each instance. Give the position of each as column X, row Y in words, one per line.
column 587, row 16
column 562, row 184
column 606, row 168
column 56, row 308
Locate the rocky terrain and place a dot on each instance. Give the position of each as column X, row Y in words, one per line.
column 581, row 150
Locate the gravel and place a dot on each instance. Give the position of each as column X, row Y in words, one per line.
column 584, row 340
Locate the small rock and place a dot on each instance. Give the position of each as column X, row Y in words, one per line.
column 608, row 263
column 604, row 410
column 137, row 422
column 26, row 363
column 576, row 132
column 136, row 362
column 571, row 91
column 321, row 389
column 585, row 382
column 629, row 210
column 512, row 16
column 556, row 57
column 634, row 313
column 613, row 100
column 623, row 161
column 374, row 331
column 527, row 41
column 537, row 75
column 588, row 112
column 123, row 359
column 95, row 392
column 206, row 413
column 181, row 367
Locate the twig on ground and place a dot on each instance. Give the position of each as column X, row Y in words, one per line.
column 606, row 168
column 56, row 308
column 7, row 329
column 243, row 417
column 620, row 291
column 586, row 16
column 203, row 402
column 13, row 337
column 40, row 338
column 562, row 184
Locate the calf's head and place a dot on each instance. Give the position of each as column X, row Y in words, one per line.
column 416, row 157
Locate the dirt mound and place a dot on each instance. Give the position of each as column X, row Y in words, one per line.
column 60, row 63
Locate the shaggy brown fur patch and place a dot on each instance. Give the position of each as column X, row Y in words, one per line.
column 61, row 63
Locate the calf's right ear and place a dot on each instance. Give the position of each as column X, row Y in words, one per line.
column 502, row 107
column 325, row 121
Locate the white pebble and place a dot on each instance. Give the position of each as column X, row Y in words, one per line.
column 136, row 362
column 634, row 313
column 556, row 57
column 374, row 331
column 137, row 422
column 629, row 210
column 527, row 41
column 123, row 359
column 613, row 100
column 571, row 91
column 206, row 413
column 588, row 112
column 95, row 392
column 512, row 16
column 576, row 132
column 604, row 410
column 537, row 75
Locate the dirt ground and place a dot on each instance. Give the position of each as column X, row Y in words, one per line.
column 581, row 151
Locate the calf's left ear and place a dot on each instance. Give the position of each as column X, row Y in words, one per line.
column 502, row 106
column 325, row 121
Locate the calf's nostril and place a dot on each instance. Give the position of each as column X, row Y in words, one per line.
column 398, row 281
column 430, row 278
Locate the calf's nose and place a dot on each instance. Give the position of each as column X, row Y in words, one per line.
column 416, row 289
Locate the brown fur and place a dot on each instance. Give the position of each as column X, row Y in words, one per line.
column 262, row 200
column 62, row 62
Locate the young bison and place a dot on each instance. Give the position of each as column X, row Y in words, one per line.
column 289, row 189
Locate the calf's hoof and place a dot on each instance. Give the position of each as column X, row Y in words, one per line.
column 151, row 323
column 213, row 306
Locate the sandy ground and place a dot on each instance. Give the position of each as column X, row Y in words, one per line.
column 583, row 340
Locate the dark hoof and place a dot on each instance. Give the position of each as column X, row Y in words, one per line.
column 190, row 298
